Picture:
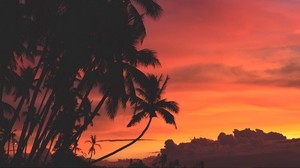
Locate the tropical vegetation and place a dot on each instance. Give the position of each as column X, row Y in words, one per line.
column 53, row 55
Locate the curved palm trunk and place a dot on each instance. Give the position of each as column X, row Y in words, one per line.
column 77, row 135
column 125, row 146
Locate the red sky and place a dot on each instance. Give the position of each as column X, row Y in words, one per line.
column 233, row 64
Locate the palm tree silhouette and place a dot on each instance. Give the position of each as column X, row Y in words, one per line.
column 106, row 44
column 11, row 140
column 76, row 148
column 22, row 89
column 148, row 106
column 14, row 142
column 93, row 142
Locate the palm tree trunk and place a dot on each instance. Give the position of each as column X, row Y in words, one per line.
column 8, row 147
column 86, row 95
column 48, row 152
column 91, row 157
column 12, row 122
column 42, row 117
column 125, row 146
column 13, row 146
column 89, row 120
column 25, row 152
column 22, row 142
column 43, row 146
column 17, row 113
column 31, row 111
column 44, row 114
column 45, row 137
column 44, row 98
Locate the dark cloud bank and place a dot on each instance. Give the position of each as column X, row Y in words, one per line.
column 244, row 148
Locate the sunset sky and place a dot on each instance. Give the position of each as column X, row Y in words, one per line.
column 232, row 64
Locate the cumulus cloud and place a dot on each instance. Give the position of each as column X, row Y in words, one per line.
column 246, row 147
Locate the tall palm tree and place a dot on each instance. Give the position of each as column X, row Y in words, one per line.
column 93, row 142
column 22, row 89
column 107, row 44
column 149, row 104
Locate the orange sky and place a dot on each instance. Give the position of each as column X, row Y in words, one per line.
column 233, row 64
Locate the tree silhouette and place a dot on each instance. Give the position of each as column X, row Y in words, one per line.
column 74, row 47
column 11, row 141
column 93, row 142
column 163, row 159
column 136, row 163
column 14, row 141
column 148, row 106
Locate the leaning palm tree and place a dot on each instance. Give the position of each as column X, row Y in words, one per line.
column 148, row 105
column 93, row 143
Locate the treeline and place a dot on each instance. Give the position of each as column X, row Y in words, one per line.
column 73, row 47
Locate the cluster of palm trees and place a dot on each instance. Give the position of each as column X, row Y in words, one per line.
column 54, row 54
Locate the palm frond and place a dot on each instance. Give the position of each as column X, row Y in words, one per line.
column 167, row 116
column 130, row 89
column 136, row 118
column 142, row 92
column 151, row 7
column 112, row 106
column 98, row 146
column 164, row 85
column 147, row 57
column 170, row 105
column 137, row 23
column 9, row 109
column 137, row 75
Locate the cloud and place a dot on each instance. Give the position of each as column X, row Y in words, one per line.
column 287, row 75
column 210, row 73
column 251, row 148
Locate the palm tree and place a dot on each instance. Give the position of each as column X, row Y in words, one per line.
column 106, row 44
column 11, row 140
column 93, row 142
column 76, row 148
column 22, row 89
column 148, row 105
column 14, row 142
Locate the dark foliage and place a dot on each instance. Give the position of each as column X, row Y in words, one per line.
column 52, row 54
